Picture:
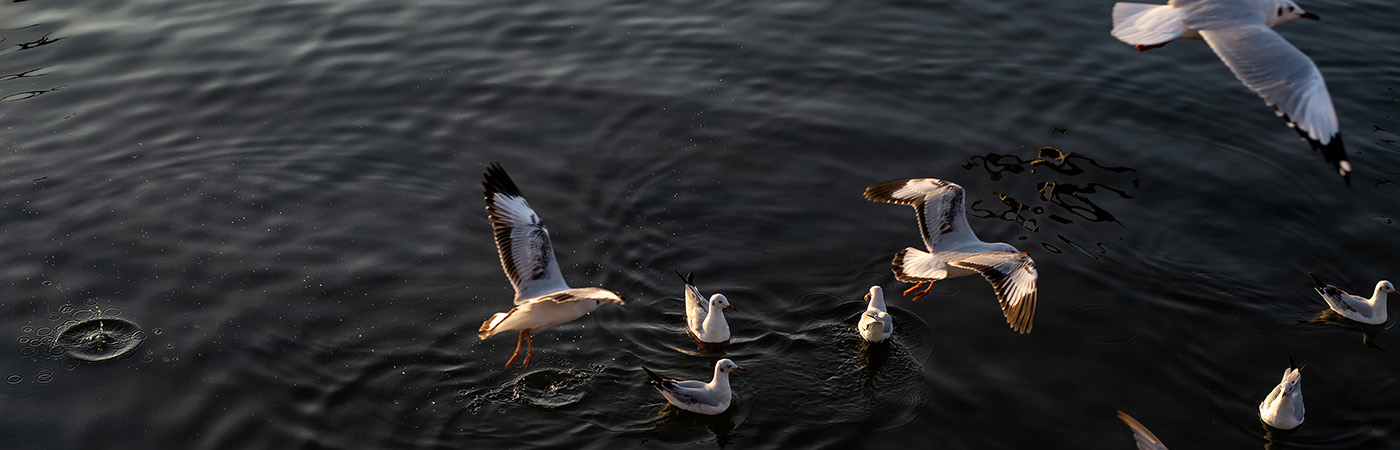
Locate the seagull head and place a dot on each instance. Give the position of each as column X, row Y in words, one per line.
column 875, row 291
column 726, row 366
column 1386, row 286
column 720, row 301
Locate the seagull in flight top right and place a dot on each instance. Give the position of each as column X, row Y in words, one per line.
column 1240, row 32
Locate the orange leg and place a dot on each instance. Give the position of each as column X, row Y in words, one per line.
column 530, row 343
column 923, row 292
column 524, row 335
column 916, row 286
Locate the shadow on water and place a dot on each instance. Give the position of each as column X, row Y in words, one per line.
column 1069, row 187
column 1368, row 331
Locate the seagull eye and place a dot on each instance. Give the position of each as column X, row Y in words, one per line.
column 1280, row 11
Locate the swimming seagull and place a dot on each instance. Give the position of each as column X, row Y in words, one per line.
column 1240, row 33
column 698, row 396
column 706, row 326
column 1283, row 407
column 1145, row 439
column 1365, row 310
column 542, row 299
column 875, row 324
column 954, row 251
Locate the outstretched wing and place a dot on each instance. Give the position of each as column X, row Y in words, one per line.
column 1288, row 81
column 521, row 239
column 1145, row 439
column 1013, row 277
column 937, row 203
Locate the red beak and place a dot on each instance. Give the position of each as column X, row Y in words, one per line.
column 1309, row 15
column 740, row 368
column 731, row 307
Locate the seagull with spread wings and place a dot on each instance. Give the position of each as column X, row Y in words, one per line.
column 953, row 251
column 542, row 299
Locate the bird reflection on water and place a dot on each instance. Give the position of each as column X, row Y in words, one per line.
column 1368, row 331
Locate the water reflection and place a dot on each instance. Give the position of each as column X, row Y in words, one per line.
column 1368, row 331
column 1057, row 199
column 721, row 425
column 1277, row 438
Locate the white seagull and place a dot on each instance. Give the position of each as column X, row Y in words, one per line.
column 1145, row 439
column 1283, row 407
column 1361, row 309
column 698, row 396
column 875, row 324
column 1240, row 33
column 705, row 319
column 954, row 251
column 542, row 299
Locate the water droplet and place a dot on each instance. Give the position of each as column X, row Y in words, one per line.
column 14, row 379
column 47, row 283
column 24, row 339
column 65, row 309
column 43, row 376
column 157, row 331
column 100, row 339
column 27, row 329
column 43, row 331
column 28, row 352
column 91, row 302
column 169, row 346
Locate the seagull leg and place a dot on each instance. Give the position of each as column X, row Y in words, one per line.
column 923, row 292
column 518, row 340
column 530, row 343
column 911, row 289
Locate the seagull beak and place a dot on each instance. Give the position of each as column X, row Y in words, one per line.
column 740, row 368
column 731, row 307
column 1309, row 15
column 867, row 296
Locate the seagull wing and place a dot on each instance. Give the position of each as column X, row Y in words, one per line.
column 1287, row 80
column 1013, row 276
column 1145, row 439
column 938, row 204
column 521, row 239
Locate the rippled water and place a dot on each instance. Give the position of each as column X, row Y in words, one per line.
column 284, row 198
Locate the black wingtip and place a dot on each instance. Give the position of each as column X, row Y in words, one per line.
column 496, row 180
column 655, row 379
column 688, row 278
column 1320, row 283
column 1334, row 152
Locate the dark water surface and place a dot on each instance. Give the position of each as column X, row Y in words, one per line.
column 285, row 198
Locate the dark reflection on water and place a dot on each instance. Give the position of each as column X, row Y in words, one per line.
column 1369, row 332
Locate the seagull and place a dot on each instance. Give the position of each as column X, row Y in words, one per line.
column 542, row 299
column 1240, row 33
column 1283, row 408
column 1365, row 310
column 707, row 327
column 875, row 324
column 954, row 251
column 1145, row 439
column 697, row 396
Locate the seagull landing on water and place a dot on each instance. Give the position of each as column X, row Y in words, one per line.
column 1240, row 33
column 1361, row 309
column 542, row 299
column 954, row 251
column 698, row 396
column 1283, row 407
column 875, row 323
column 705, row 318
column 1145, row 439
